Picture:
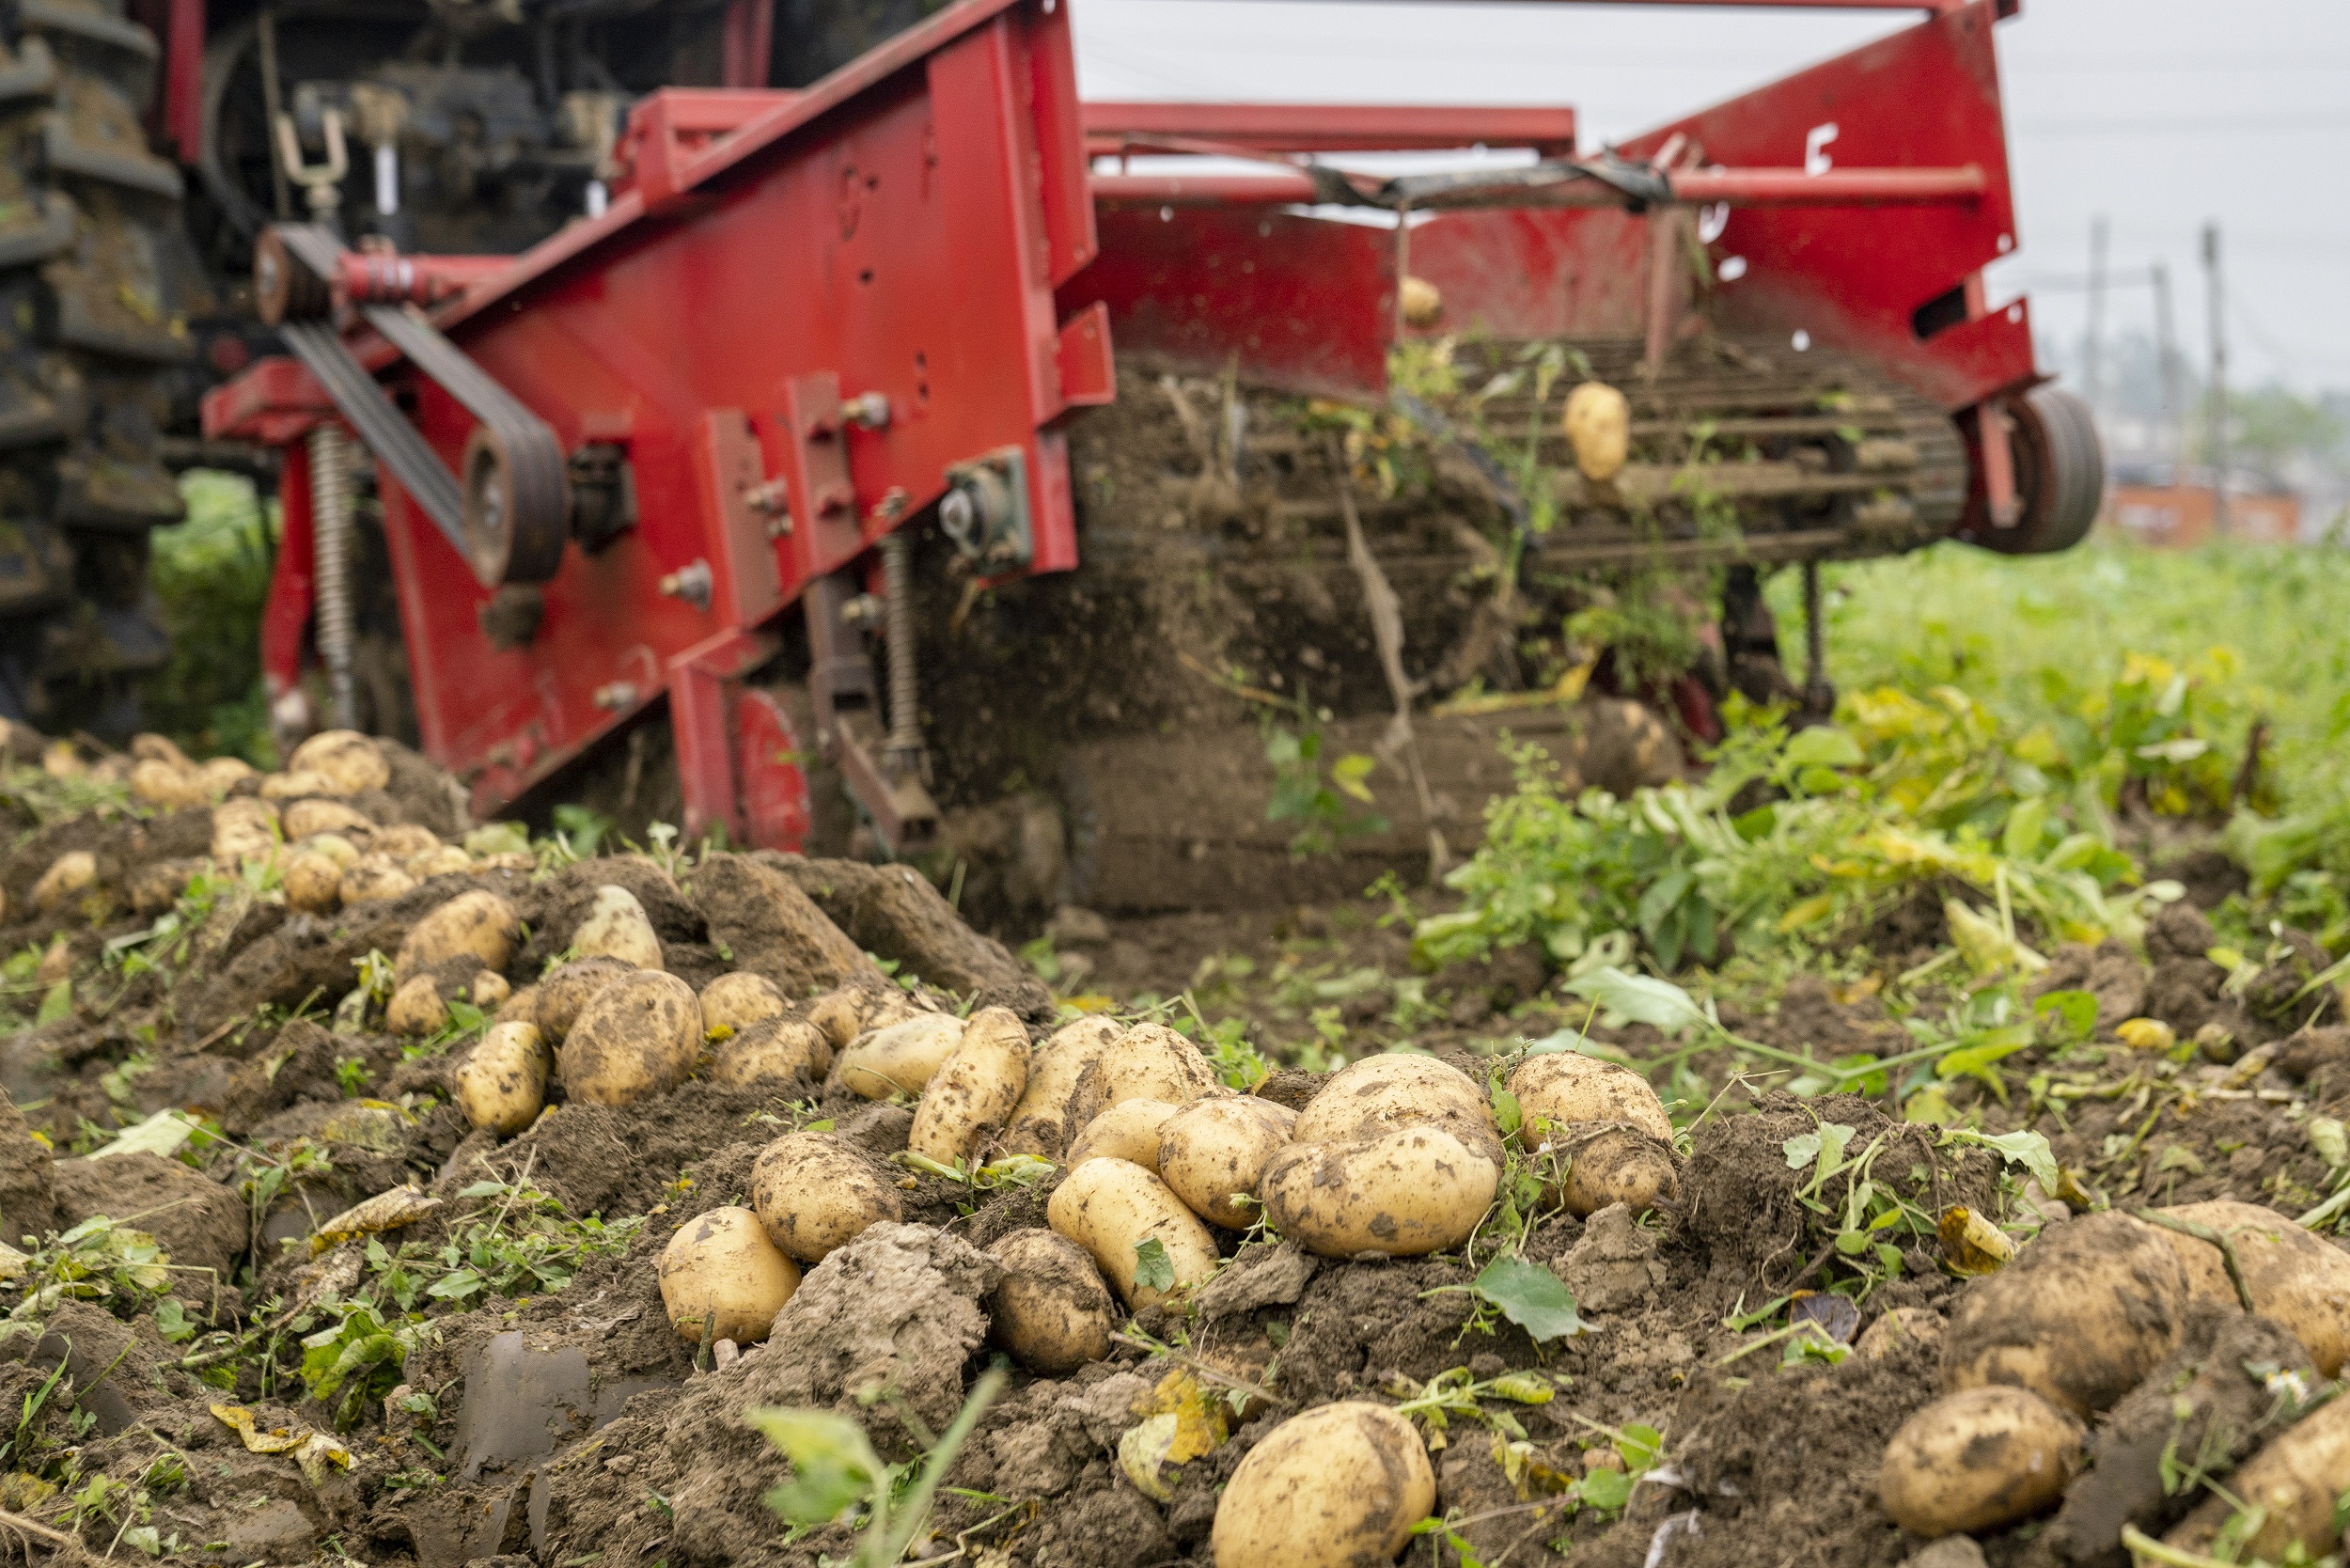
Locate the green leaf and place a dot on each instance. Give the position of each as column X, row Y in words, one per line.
column 1153, row 1269
column 1640, row 1448
column 56, row 1004
column 2026, row 826
column 833, row 1466
column 1509, row 1118
column 1801, row 1149
column 1821, row 746
column 1638, row 999
column 2067, row 1014
column 160, row 1134
column 1349, row 771
column 2028, row 1150
column 1605, row 1490
column 1530, row 1297
column 171, row 1320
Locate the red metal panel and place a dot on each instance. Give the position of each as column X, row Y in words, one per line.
column 772, row 784
column 1335, row 127
column 286, row 617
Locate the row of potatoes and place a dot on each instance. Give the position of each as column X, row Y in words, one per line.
column 2077, row 1320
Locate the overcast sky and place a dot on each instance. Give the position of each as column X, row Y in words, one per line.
column 2160, row 113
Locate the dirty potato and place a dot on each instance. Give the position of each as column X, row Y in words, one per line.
column 618, row 927
column 1051, row 1311
column 1405, row 1193
column 373, row 878
column 1213, row 1151
column 735, row 1002
column 156, row 886
column 521, row 1006
column 971, row 1096
column 2078, row 1318
column 851, row 1011
column 1148, row 1061
column 305, row 817
column 68, row 877
column 314, row 883
column 447, row 860
column 1110, row 1207
column 1129, row 1130
column 1978, row 1460
column 332, row 845
column 1340, row 1487
column 162, row 783
column 1563, row 1086
column 1611, row 1162
column 299, row 785
column 1044, row 1123
column 1899, row 1326
column 478, row 925
column 721, row 1279
column 350, row 761
column 1380, row 1094
column 900, row 1058
column 563, row 993
column 818, row 1191
column 2296, row 1481
column 489, row 990
column 224, row 774
column 769, row 1050
column 404, row 841
column 1598, row 426
column 503, row 1084
column 2295, row 1278
column 637, row 1037
column 416, row 1007
column 243, row 829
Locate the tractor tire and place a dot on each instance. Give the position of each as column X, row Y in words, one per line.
column 95, row 282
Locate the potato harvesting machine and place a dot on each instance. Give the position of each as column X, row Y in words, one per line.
column 699, row 449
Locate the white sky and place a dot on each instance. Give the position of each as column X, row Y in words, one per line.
column 2160, row 113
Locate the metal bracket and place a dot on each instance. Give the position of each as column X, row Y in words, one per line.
column 985, row 512
column 848, row 721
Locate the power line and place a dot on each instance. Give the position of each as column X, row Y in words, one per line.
column 2182, row 127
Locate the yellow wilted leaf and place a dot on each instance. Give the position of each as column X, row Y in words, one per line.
column 1971, row 1243
column 1810, row 910
column 1201, row 1417
column 2145, row 1034
column 385, row 1211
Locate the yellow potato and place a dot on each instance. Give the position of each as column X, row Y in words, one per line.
column 1423, row 303
column 1213, row 1151
column 416, row 1008
column 489, row 990
column 1051, row 1311
column 332, row 845
column 1598, row 425
column 243, row 829
column 404, row 841
column 1400, row 1194
column 66, row 879
column 1564, row 1087
column 301, row 785
column 565, row 991
column 1148, row 1061
column 721, row 1279
column 478, row 925
column 848, row 1012
column 819, row 1191
column 305, row 817
column 447, row 860
column 1110, row 1207
column 2296, row 1279
column 521, row 1006
column 971, row 1096
column 637, row 1037
column 737, row 1001
column 1380, row 1093
column 770, row 1050
column 1045, row 1121
column 618, row 927
column 1978, row 1460
column 1129, row 1130
column 2080, row 1317
column 1611, row 1162
column 1902, row 1326
column 162, row 783
column 350, row 761
column 503, row 1084
column 2295, row 1480
column 372, row 878
column 1340, row 1487
column 900, row 1058
column 224, row 774
column 314, row 883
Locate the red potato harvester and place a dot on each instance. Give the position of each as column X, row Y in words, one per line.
column 627, row 464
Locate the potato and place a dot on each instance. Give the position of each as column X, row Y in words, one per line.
column 67, row 877
column 1129, row 1130
column 2295, row 1479
column 1901, row 1325
column 224, row 774
column 521, row 1006
column 156, row 886
column 1400, row 1194
column 1148, row 1061
column 1611, row 1162
column 416, row 1008
column 1212, row 1151
column 770, row 1051
column 478, row 925
column 1598, row 425
column 373, row 877
column 568, row 989
column 1051, row 1311
column 618, row 927
column 899, row 1059
column 848, row 1012
column 301, row 785
column 1563, row 1086
column 1110, row 1207
column 404, row 841
column 162, row 783
column 2078, row 1318
column 447, row 860
column 489, row 989
column 349, row 759
column 818, row 1191
column 332, row 845
column 968, row 1100
column 735, row 1002
column 1399, row 1090
column 638, row 1036
column 1978, row 1460
column 314, row 883
column 503, row 1084
column 1422, row 301
column 245, row 829
column 1340, row 1487
column 2297, row 1279
column 147, row 746
column 721, row 1279
column 1044, row 1123
column 305, row 817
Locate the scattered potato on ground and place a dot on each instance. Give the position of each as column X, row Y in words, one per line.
column 313, row 883
column 243, row 829
column 66, row 879
column 1609, row 1163
column 618, row 927
column 721, row 1279
column 373, row 878
column 1213, row 1151
column 967, row 1100
column 478, row 925
column 568, row 988
column 1401, row 1194
column 224, row 774
column 2296, row 1279
column 1148, row 1061
column 1129, row 1130
column 899, row 1059
column 1569, row 1087
column 447, row 860
column 638, row 1036
column 307, row 817
column 303, row 785
column 489, row 990
column 1337, row 1487
column 735, row 1002
column 816, row 1192
column 503, row 1084
column 1051, row 1311
column 1978, row 1459
column 416, row 1007
column 771, row 1051
column 1899, row 1326
column 404, row 841
column 1399, row 1088
column 2296, row 1481
column 521, row 1007
column 350, row 762
column 162, row 783
column 1110, row 1207
column 332, row 845
column 1047, row 1119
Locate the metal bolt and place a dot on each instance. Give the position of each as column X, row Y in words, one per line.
column 691, row 583
column 618, row 695
column 892, row 506
column 866, row 411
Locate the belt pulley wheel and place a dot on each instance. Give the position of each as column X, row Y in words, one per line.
column 517, row 505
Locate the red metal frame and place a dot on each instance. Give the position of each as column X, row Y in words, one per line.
column 923, row 226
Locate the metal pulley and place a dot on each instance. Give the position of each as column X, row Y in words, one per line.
column 985, row 512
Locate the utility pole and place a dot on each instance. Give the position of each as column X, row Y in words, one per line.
column 2093, row 352
column 2166, row 346
column 2218, row 443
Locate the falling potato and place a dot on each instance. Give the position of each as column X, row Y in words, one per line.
column 1423, row 305
column 1598, row 426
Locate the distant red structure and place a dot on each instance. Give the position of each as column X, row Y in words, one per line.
column 2180, row 516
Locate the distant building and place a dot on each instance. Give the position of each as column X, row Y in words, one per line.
column 2172, row 509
